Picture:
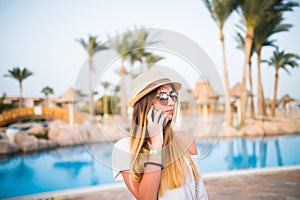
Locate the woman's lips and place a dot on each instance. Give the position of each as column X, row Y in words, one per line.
column 169, row 112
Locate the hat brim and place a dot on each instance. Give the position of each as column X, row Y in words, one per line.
column 144, row 92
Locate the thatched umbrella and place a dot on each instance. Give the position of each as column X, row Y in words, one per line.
column 268, row 104
column 69, row 97
column 205, row 95
column 286, row 99
column 236, row 91
column 186, row 98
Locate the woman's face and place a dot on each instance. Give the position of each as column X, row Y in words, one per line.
column 168, row 108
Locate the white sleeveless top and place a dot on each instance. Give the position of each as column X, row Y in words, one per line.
column 191, row 189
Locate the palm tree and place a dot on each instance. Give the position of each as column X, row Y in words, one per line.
column 253, row 12
column 115, row 99
column 241, row 45
column 263, row 31
column 151, row 59
column 2, row 98
column 46, row 91
column 265, row 28
column 140, row 41
column 116, row 89
column 280, row 60
column 123, row 46
column 20, row 75
column 92, row 45
column 220, row 11
column 105, row 85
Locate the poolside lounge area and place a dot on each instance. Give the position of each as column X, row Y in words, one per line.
column 264, row 183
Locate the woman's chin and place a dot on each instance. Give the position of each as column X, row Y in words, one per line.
column 169, row 117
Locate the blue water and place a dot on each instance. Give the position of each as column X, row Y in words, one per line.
column 81, row 166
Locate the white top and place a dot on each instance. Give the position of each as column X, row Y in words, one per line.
column 191, row 190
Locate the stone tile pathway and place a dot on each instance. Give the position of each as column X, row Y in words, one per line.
column 255, row 184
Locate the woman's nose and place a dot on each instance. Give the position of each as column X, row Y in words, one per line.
column 171, row 101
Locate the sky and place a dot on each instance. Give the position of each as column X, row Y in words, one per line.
column 41, row 35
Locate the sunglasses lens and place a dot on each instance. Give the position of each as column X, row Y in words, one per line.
column 174, row 96
column 164, row 97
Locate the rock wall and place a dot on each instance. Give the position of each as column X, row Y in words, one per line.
column 60, row 133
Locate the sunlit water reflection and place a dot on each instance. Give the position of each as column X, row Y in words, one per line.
column 80, row 166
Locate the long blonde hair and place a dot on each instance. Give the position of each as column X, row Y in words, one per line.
column 174, row 153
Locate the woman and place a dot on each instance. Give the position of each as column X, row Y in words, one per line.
column 156, row 162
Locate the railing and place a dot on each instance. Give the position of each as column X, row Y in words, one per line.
column 42, row 112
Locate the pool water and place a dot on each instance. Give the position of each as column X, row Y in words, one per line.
column 81, row 166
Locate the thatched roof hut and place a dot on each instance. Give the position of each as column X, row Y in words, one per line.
column 69, row 96
column 205, row 93
column 236, row 91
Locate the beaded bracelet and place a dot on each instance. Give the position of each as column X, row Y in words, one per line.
column 153, row 163
column 155, row 152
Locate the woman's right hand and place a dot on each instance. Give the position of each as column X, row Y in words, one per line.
column 155, row 128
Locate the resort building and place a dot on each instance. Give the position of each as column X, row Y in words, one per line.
column 207, row 98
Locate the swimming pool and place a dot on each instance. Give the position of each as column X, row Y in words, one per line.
column 80, row 166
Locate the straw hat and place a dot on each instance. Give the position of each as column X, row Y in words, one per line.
column 147, row 82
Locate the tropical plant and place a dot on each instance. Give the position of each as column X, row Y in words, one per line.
column 2, row 98
column 253, row 12
column 266, row 28
column 280, row 60
column 241, row 45
column 116, row 89
column 140, row 41
column 112, row 102
column 151, row 59
column 46, row 91
column 91, row 45
column 220, row 11
column 123, row 46
column 105, row 85
column 130, row 46
column 20, row 75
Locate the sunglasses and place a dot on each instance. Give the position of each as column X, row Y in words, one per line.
column 164, row 97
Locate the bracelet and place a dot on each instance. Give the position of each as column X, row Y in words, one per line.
column 153, row 163
column 155, row 152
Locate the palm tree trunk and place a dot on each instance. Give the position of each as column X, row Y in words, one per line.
column 228, row 114
column 123, row 98
column 260, row 93
column 46, row 100
column 91, row 93
column 21, row 94
column 105, row 105
column 251, row 89
column 248, row 45
column 275, row 93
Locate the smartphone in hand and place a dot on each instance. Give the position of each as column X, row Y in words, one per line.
column 154, row 112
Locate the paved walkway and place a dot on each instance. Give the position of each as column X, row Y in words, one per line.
column 266, row 183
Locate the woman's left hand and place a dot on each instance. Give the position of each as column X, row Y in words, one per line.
column 155, row 127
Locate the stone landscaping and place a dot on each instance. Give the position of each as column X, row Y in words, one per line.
column 59, row 134
column 111, row 129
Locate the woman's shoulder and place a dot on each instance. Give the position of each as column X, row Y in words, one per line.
column 188, row 140
column 123, row 144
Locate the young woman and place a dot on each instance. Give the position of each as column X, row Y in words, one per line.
column 156, row 162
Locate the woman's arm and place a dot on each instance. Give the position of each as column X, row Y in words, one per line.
column 149, row 185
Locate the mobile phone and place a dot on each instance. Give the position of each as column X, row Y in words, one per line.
column 154, row 111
